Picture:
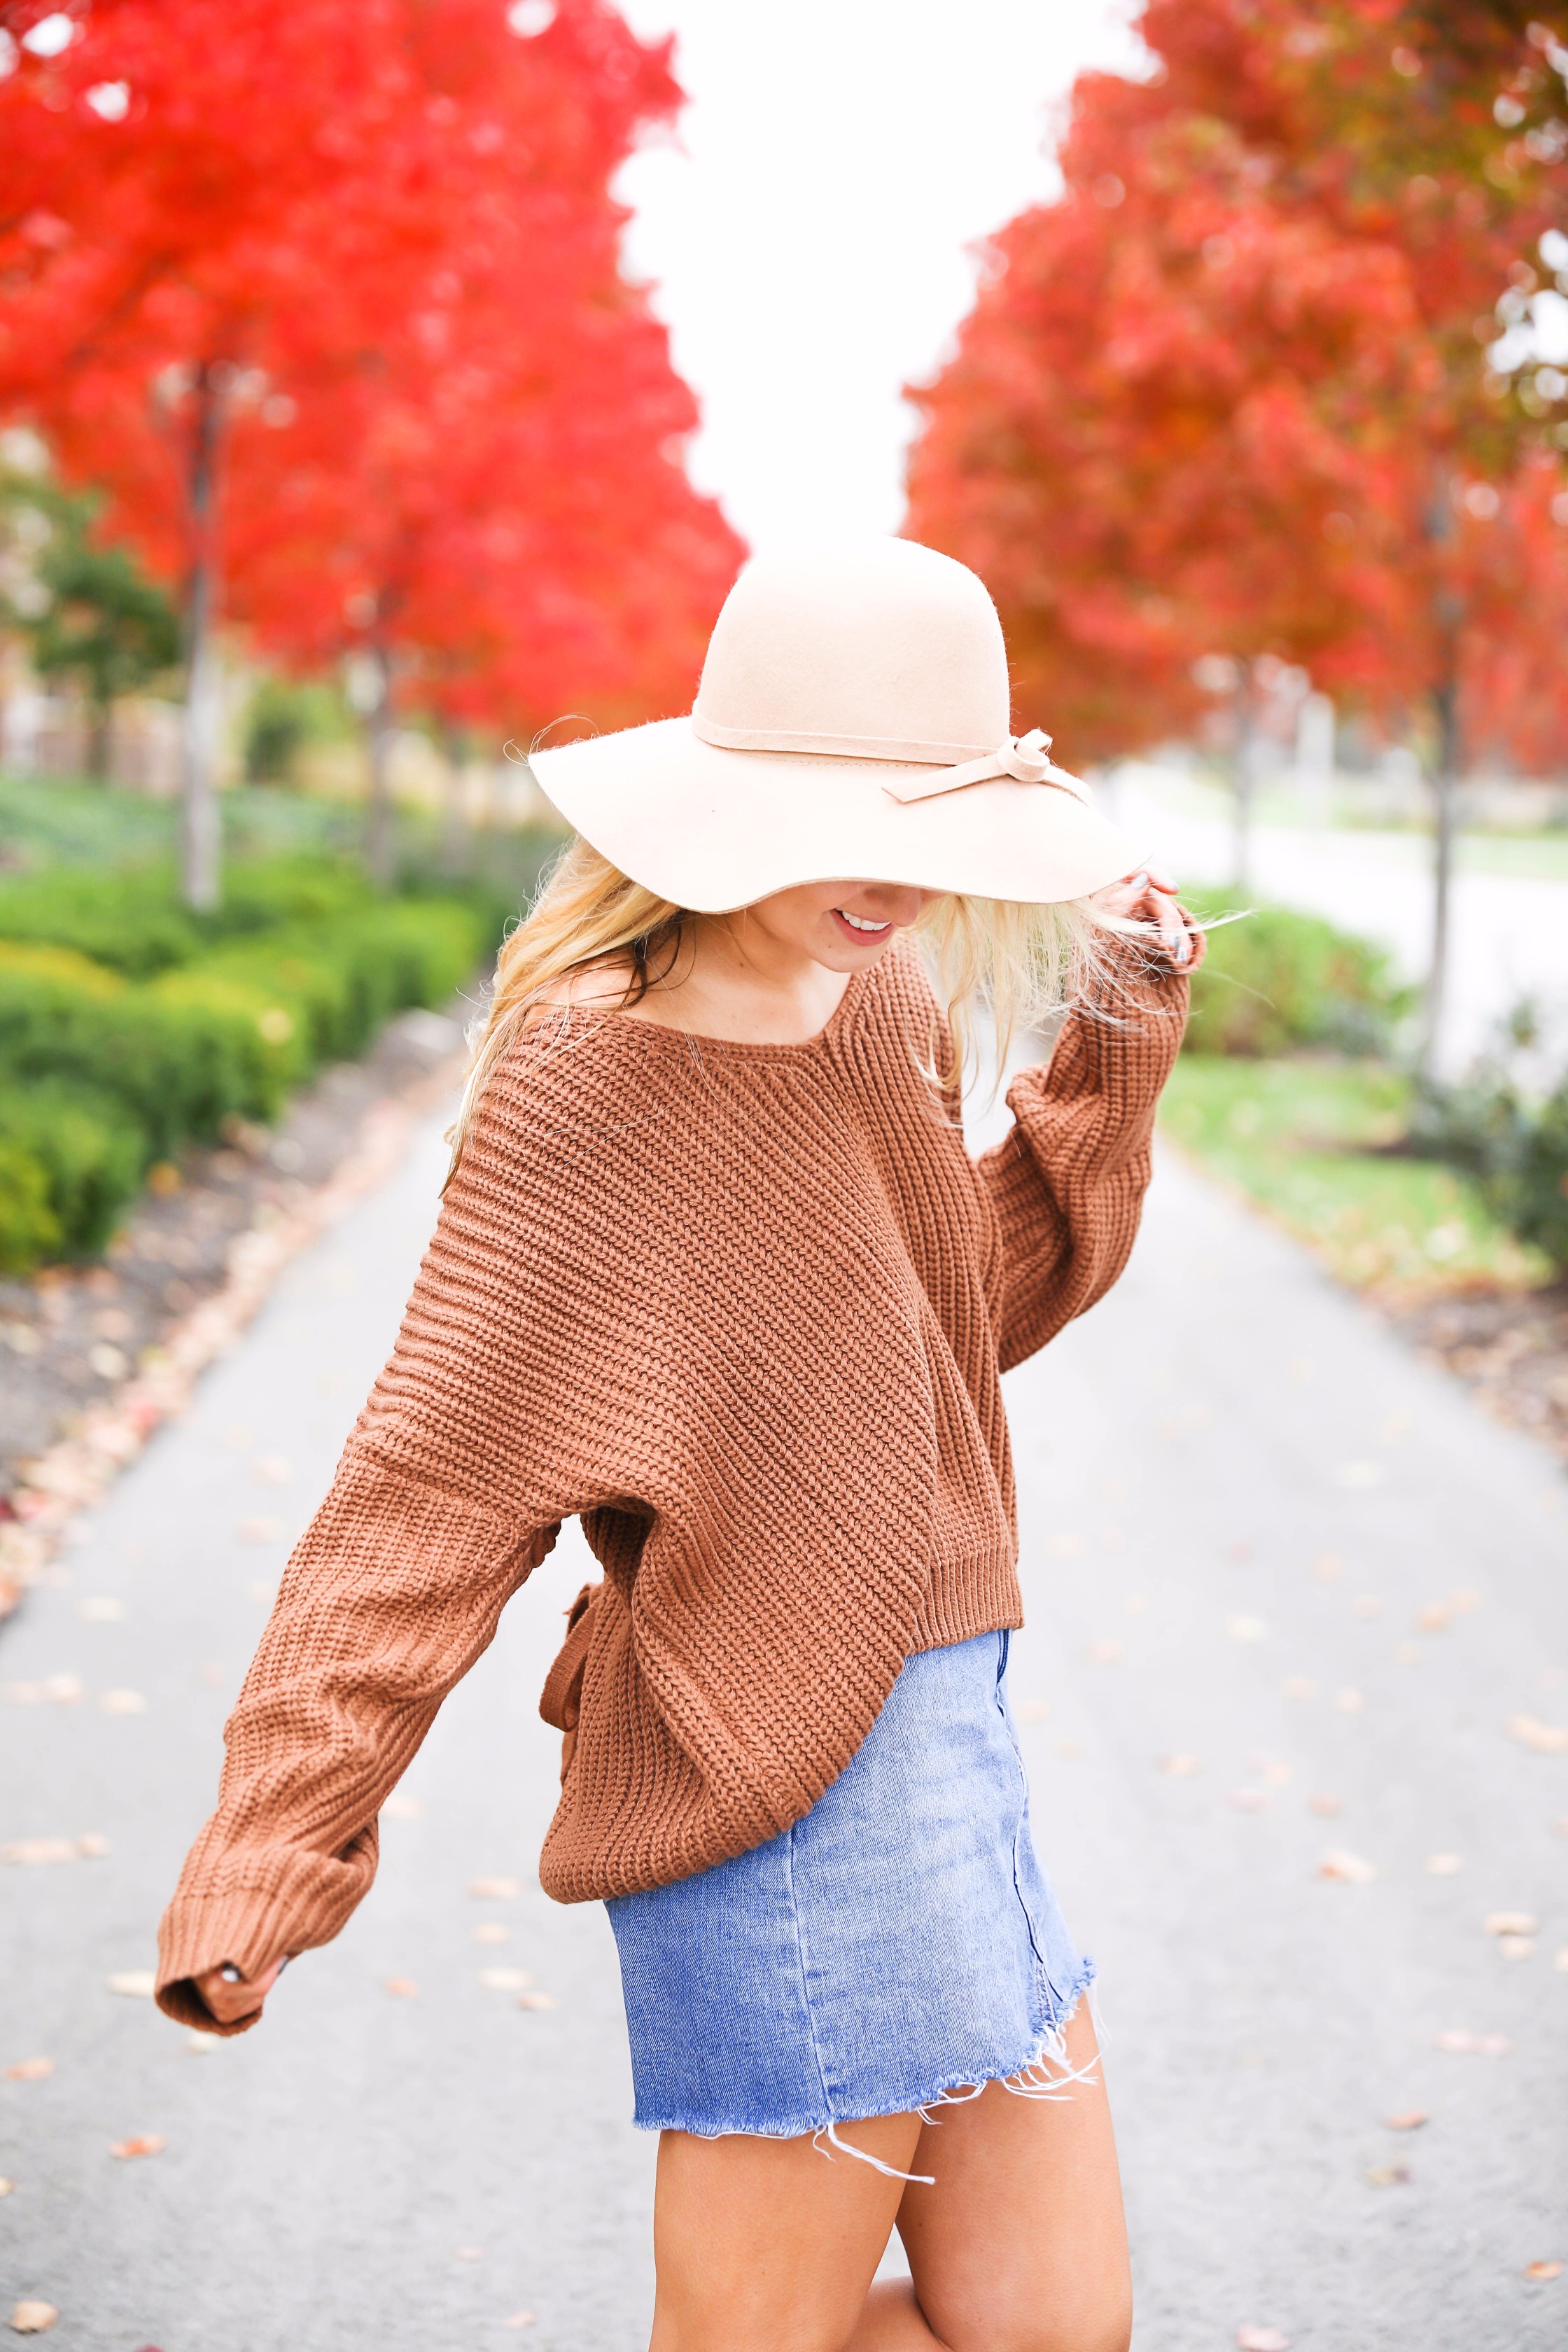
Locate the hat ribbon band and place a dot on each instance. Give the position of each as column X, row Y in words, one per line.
column 1024, row 758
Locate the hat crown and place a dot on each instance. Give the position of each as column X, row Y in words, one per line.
column 879, row 647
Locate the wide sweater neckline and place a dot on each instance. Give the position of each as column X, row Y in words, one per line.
column 839, row 1020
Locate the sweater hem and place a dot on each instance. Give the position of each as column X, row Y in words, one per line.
column 966, row 1597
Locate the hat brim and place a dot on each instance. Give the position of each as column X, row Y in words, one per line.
column 714, row 829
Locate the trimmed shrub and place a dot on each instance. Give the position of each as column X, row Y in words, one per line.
column 179, row 1063
column 1275, row 980
column 133, row 920
column 29, row 1230
column 1513, row 1143
column 92, row 1153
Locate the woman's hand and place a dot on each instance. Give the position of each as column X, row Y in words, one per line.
column 1149, row 896
column 231, row 1997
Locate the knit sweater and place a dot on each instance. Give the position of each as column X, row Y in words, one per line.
column 742, row 1309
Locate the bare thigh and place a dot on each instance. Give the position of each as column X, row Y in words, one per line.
column 769, row 2246
column 1021, row 2246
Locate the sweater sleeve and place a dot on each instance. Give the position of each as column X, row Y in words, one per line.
column 490, row 1425
column 1068, row 1180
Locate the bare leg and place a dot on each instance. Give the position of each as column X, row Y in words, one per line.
column 765, row 2246
column 1021, row 2246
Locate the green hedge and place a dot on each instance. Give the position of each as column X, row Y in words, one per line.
column 1514, row 1142
column 133, row 920
column 104, row 1068
column 1274, row 981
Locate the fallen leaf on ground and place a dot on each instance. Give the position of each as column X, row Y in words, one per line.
column 6, row 2187
column 273, row 1470
column 519, row 2319
column 201, row 2045
column 1066, row 1546
column 1136, row 1604
column 496, row 1890
column 1542, row 1738
column 1560, row 1826
column 490, row 1931
column 1389, row 2176
column 32, row 2319
column 122, row 1702
column 138, row 1984
column 1033, row 1710
column 104, row 1609
column 1245, row 1629
column 1510, row 1923
column 31, row 1851
column 1177, row 1768
column 400, row 1987
column 506, row 1979
column 1444, row 1865
column 1350, row 1702
column 1406, row 1653
column 1271, row 1769
column 64, row 1690
column 536, row 2001
column 1543, row 2270
column 1461, row 2043
column 1359, row 1474
column 265, row 1589
column 1329, row 1566
column 1249, row 1801
column 139, row 2144
column 399, row 1808
column 1327, row 1806
column 1560, row 1959
column 259, row 1531
column 1411, row 2120
column 30, row 2070
column 1351, row 1868
column 1299, row 1686
column 1365, row 1605
column 468, row 2253
column 1105, row 1653
column 1261, row 2339
column 1516, row 1948
column 92, row 1846
column 1434, row 1619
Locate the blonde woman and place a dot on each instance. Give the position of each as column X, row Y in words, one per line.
column 715, row 1274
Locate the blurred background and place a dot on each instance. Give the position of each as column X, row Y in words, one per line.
column 387, row 384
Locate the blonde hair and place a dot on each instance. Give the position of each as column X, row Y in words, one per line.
column 1019, row 963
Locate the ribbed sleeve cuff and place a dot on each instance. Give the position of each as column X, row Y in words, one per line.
column 198, row 1932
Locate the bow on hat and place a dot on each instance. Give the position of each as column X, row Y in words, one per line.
column 1024, row 758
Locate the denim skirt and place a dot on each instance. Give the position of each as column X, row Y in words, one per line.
column 900, row 1944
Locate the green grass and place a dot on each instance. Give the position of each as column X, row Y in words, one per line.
column 1307, row 1139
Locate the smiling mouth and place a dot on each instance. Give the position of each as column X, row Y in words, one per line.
column 862, row 925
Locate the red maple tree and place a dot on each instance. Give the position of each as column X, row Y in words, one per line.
column 327, row 299
column 1231, row 393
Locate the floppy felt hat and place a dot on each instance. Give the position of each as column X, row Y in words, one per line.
column 853, row 722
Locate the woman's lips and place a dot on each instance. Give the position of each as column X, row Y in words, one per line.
column 862, row 930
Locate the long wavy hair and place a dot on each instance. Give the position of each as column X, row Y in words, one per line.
column 988, row 957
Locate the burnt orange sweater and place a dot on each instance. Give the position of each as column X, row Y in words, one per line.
column 741, row 1309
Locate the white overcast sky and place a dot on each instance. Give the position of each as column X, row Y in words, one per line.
column 806, row 235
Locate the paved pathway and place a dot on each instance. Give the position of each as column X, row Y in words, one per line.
column 410, row 2172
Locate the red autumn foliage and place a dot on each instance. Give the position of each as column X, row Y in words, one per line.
column 368, row 248
column 1229, row 392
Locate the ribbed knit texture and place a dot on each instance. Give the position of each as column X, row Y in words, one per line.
column 743, row 1310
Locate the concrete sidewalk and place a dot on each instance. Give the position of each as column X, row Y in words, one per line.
column 414, row 2170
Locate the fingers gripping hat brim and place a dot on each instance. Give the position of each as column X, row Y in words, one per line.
column 713, row 829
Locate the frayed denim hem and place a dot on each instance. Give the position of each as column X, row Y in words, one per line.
column 1048, row 2074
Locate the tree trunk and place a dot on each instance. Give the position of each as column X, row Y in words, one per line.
column 1445, row 797
column 200, row 841
column 1243, row 779
column 455, row 847
column 378, row 844
column 98, row 741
